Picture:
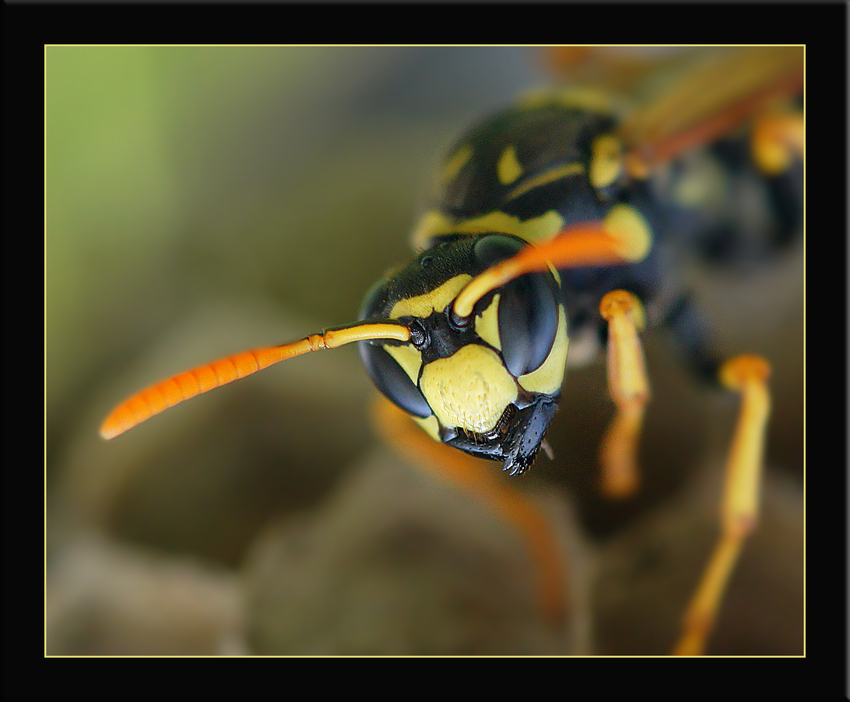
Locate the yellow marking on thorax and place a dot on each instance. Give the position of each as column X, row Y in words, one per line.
column 536, row 230
column 435, row 301
column 550, row 375
column 431, row 224
column 629, row 227
column 470, row 389
column 546, row 177
column 508, row 169
column 606, row 161
column 457, row 161
column 778, row 137
column 591, row 99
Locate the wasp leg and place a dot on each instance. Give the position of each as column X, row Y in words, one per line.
column 778, row 138
column 739, row 509
column 397, row 429
column 629, row 388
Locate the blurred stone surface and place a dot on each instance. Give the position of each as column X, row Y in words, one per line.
column 106, row 598
column 338, row 547
column 398, row 563
column 647, row 574
column 202, row 478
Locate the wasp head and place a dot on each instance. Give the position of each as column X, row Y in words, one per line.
column 487, row 383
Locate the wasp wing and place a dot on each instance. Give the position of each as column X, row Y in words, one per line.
column 708, row 96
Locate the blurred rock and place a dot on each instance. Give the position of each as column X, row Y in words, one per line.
column 648, row 573
column 202, row 478
column 397, row 562
column 105, row 598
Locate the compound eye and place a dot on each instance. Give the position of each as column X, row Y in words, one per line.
column 492, row 248
column 391, row 379
column 528, row 321
column 387, row 375
column 528, row 308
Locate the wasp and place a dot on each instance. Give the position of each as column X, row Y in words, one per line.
column 555, row 229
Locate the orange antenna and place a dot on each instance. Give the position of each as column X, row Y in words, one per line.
column 167, row 393
column 577, row 245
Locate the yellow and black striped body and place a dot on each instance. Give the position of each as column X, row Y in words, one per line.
column 530, row 170
column 536, row 168
column 524, row 176
column 554, row 160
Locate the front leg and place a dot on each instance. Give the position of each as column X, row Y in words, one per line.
column 629, row 388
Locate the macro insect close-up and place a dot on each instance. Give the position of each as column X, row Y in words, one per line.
column 587, row 435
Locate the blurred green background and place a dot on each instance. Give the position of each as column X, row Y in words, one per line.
column 192, row 181
column 204, row 200
column 177, row 175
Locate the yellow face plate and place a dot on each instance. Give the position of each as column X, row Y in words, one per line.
column 470, row 389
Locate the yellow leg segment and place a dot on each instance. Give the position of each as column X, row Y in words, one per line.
column 629, row 388
column 739, row 509
column 778, row 138
column 397, row 429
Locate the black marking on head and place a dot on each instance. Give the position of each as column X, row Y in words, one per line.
column 451, row 255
